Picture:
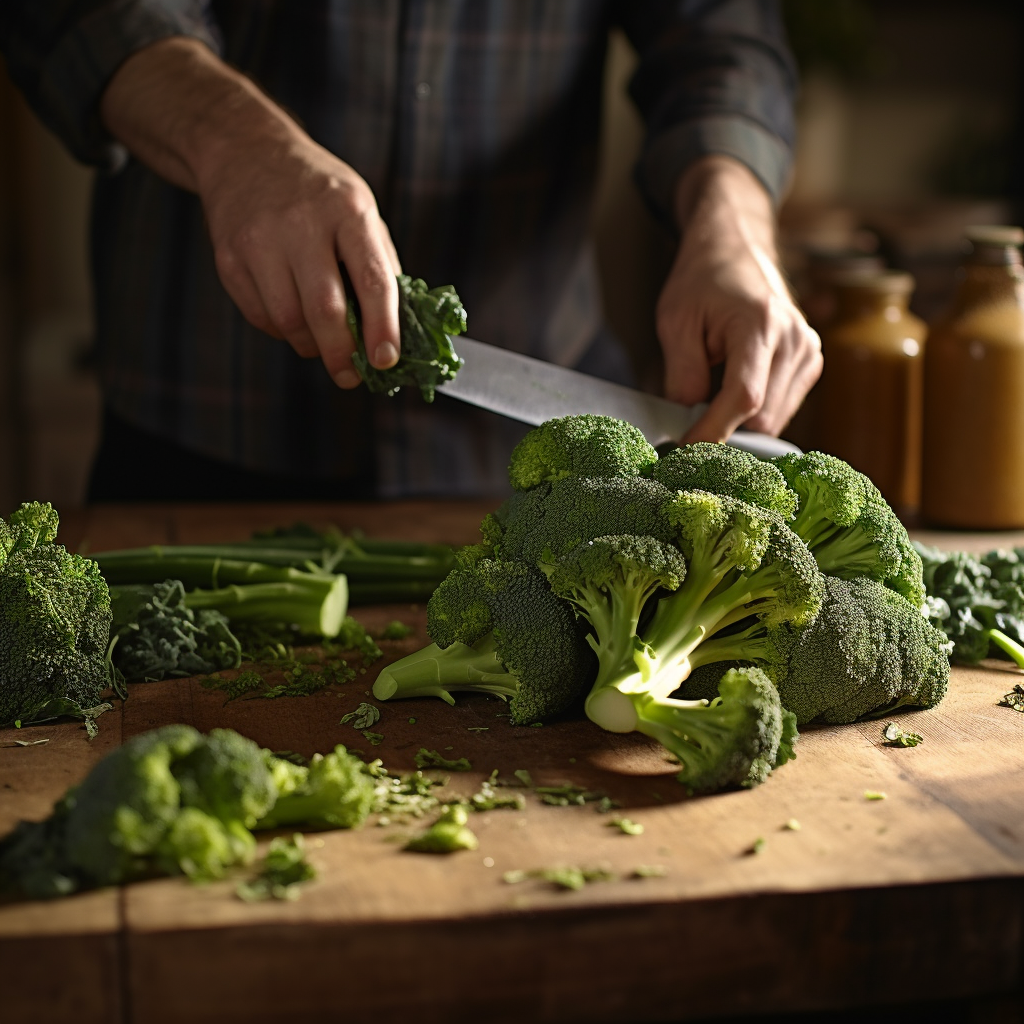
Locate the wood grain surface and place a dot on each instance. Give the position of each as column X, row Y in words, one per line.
column 918, row 895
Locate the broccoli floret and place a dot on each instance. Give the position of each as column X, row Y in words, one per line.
column 723, row 469
column 448, row 834
column 426, row 319
column 869, row 651
column 156, row 636
column 584, row 445
column 735, row 740
column 849, row 526
column 609, row 581
column 497, row 628
column 174, row 801
column 334, row 791
column 743, row 563
column 54, row 622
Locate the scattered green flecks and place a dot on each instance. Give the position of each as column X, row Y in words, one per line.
column 568, row 877
column 649, row 871
column 432, row 759
column 626, row 826
column 606, row 804
column 566, row 795
column 364, row 716
column 412, row 721
column 524, row 777
column 489, row 798
column 1014, row 699
column 89, row 715
column 756, row 847
column 478, row 728
column 398, row 798
column 285, row 868
column 894, row 736
column 792, row 825
column 449, row 834
column 874, row 794
column 536, row 725
column 375, row 739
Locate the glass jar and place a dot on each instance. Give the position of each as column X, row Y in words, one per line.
column 870, row 390
column 973, row 469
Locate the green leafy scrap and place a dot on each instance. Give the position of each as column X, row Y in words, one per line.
column 432, row 759
column 363, row 717
column 895, row 736
column 1014, row 699
column 285, row 868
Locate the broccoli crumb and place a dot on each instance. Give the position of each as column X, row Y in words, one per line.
column 756, row 847
column 626, row 826
column 567, row 877
column 874, row 794
column 396, row 630
column 894, row 736
column 432, row 759
column 363, row 717
column 792, row 825
column 649, row 871
column 1014, row 700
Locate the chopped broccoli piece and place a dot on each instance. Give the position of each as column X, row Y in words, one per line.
column 894, row 736
column 449, row 834
column 626, row 826
column 285, row 868
column 585, row 446
column 1014, row 700
column 432, row 759
column 426, row 319
column 54, row 622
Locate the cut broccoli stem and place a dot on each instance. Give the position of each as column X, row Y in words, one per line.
column 1007, row 645
column 316, row 604
column 435, row 671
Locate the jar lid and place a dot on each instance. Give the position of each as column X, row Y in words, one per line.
column 994, row 234
column 897, row 282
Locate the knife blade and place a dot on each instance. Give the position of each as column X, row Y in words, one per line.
column 532, row 391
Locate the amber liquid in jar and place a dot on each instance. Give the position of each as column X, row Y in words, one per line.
column 871, row 387
column 973, row 469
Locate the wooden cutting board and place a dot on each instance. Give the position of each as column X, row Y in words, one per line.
column 918, row 895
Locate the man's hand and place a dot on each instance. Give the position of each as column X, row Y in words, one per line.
column 282, row 211
column 725, row 302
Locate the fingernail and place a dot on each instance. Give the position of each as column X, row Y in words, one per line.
column 346, row 378
column 387, row 355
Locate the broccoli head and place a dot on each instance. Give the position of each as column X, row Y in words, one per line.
column 584, row 445
column 868, row 652
column 54, row 622
column 723, row 469
column 497, row 628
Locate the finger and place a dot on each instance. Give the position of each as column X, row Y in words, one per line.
column 322, row 295
column 795, row 367
column 687, row 364
column 280, row 296
column 741, row 397
column 371, row 269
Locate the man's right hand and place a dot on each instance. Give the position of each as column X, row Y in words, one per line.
column 282, row 211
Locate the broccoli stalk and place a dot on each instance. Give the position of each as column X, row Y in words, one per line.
column 1007, row 645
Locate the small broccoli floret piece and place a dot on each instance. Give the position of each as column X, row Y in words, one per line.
column 335, row 791
column 554, row 519
column 869, row 651
column 584, row 445
column 849, row 526
column 497, row 628
column 427, row 318
column 448, row 834
column 733, row 741
column 54, row 622
column 723, row 469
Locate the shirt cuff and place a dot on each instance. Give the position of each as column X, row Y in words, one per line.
column 76, row 71
column 668, row 155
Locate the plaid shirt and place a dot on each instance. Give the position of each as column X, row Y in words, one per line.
column 475, row 122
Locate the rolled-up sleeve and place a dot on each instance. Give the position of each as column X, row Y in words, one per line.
column 714, row 77
column 62, row 53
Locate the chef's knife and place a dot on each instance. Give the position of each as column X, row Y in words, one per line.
column 533, row 391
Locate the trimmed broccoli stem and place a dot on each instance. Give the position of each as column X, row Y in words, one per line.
column 812, row 527
column 1007, row 645
column 750, row 644
column 435, row 671
column 848, row 553
column 316, row 604
column 693, row 730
